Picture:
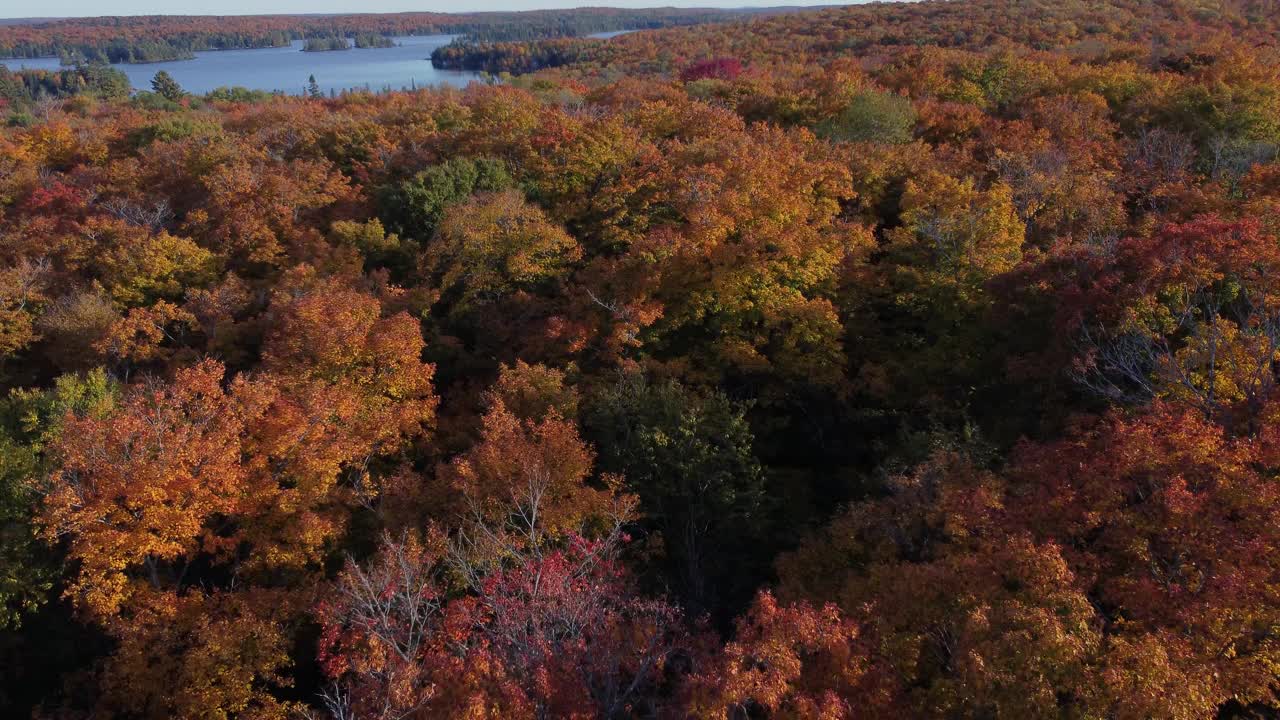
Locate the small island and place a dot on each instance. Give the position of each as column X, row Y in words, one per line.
column 373, row 40
column 325, row 44
column 133, row 53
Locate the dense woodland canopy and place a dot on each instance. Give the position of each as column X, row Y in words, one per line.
column 907, row 360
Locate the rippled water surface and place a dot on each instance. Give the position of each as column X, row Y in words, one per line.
column 287, row 68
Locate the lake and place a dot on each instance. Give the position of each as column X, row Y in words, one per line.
column 287, row 68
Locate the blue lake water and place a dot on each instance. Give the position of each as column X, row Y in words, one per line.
column 287, row 68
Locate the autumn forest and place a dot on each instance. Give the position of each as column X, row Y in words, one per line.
column 903, row 360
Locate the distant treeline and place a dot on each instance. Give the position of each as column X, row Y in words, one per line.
column 156, row 38
column 512, row 57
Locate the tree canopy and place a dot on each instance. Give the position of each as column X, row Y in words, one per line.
column 894, row 360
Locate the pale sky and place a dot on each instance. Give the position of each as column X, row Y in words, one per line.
column 87, row 8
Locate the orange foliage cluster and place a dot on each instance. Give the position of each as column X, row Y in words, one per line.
column 897, row 360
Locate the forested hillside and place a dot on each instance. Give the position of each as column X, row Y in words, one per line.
column 154, row 38
column 901, row 360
